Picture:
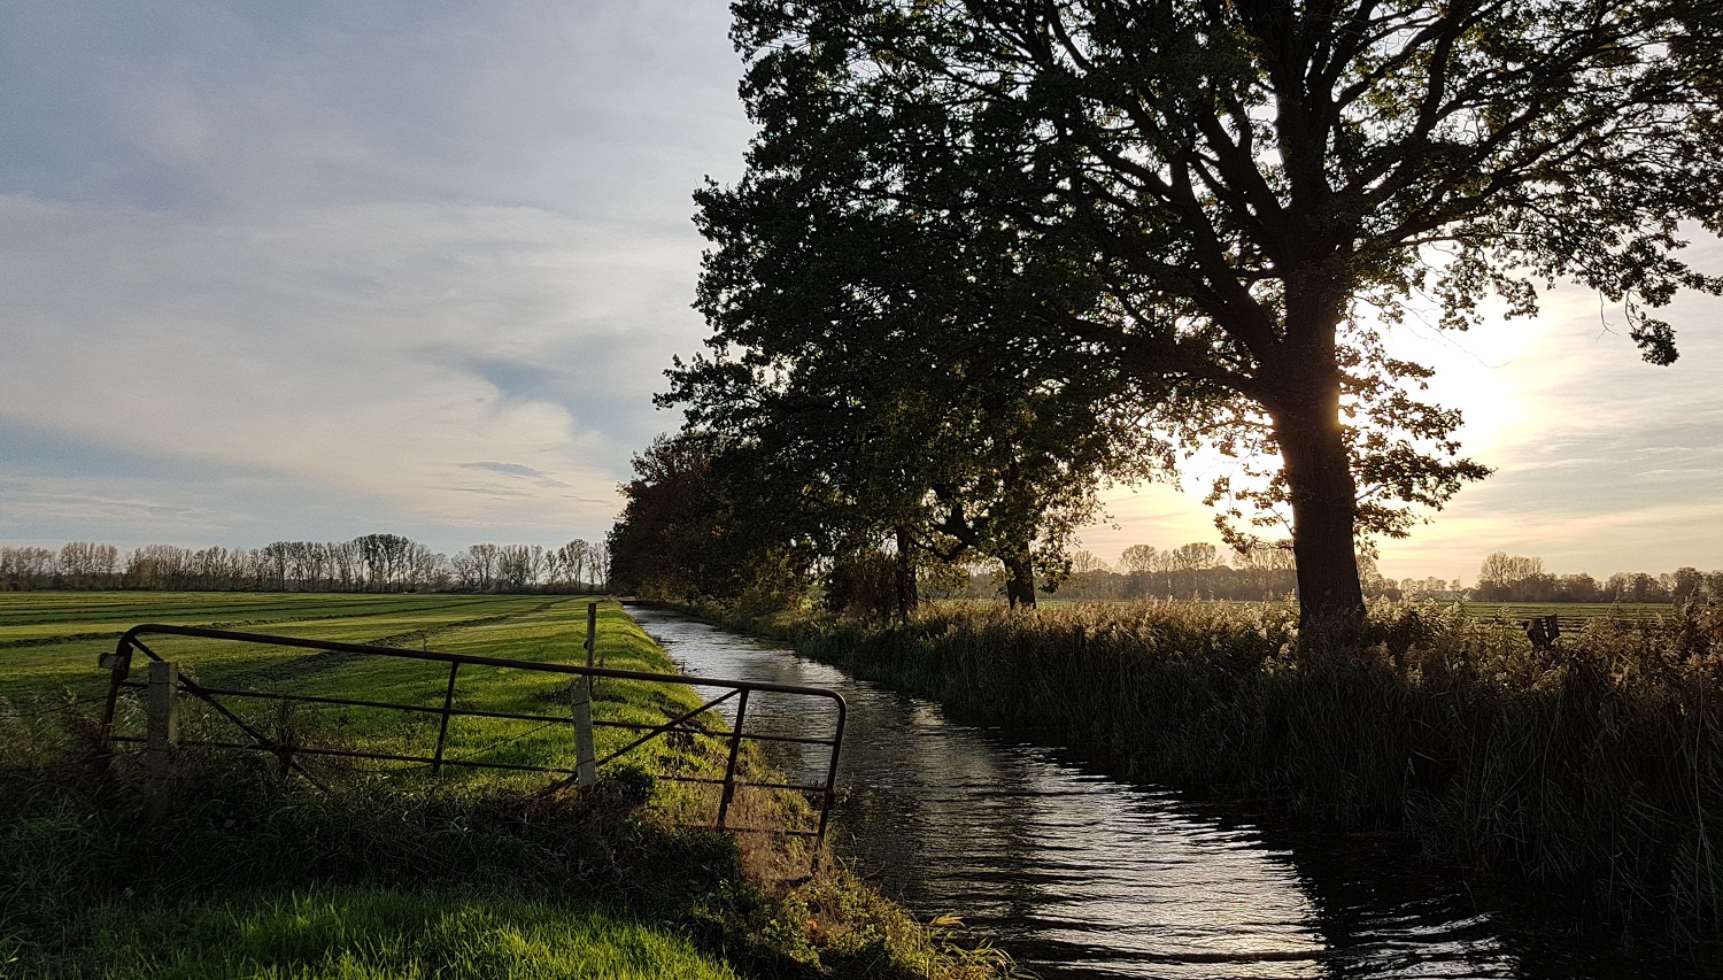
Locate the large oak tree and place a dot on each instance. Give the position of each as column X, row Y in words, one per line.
column 1257, row 187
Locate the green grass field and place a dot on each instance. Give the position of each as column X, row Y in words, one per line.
column 1579, row 610
column 54, row 649
column 27, row 617
column 397, row 873
column 530, row 628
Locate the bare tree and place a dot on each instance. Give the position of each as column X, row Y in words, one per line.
column 1138, row 558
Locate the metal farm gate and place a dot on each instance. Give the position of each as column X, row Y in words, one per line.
column 164, row 683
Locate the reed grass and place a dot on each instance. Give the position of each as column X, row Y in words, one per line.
column 1596, row 767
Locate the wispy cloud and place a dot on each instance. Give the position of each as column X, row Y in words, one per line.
column 332, row 248
column 507, row 469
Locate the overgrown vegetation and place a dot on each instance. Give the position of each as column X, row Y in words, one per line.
column 1595, row 767
column 390, row 872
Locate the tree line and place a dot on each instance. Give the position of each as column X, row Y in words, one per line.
column 1519, row 578
column 985, row 259
column 368, row 563
column 693, row 527
column 1201, row 571
column 689, row 530
column 1198, row 570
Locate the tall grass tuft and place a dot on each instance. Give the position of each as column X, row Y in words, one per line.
column 1596, row 766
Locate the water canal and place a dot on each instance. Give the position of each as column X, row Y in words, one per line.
column 1078, row 874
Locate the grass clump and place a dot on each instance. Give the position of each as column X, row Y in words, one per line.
column 382, row 933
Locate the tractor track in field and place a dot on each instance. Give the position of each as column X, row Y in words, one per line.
column 397, row 639
column 319, row 662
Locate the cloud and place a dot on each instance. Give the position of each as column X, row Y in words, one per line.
column 331, row 248
column 507, row 469
column 310, row 270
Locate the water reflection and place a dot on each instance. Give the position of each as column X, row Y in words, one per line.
column 1078, row 874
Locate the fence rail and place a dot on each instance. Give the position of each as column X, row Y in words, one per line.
column 166, row 681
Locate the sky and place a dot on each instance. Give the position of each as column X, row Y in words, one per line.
column 305, row 271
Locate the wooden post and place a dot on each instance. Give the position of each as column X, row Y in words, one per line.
column 585, row 752
column 161, row 733
column 591, row 642
column 591, row 634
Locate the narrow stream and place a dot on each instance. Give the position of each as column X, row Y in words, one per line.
column 1079, row 874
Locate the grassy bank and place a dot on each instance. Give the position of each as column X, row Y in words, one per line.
column 391, row 872
column 1595, row 770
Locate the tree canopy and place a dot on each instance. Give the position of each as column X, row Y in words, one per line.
column 1227, row 204
column 684, row 533
column 871, row 394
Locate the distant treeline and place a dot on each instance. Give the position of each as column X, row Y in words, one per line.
column 1517, row 578
column 1195, row 570
column 1201, row 571
column 694, row 529
column 369, row 563
column 1198, row 570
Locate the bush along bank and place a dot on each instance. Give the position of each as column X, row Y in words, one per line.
column 1594, row 769
column 250, row 874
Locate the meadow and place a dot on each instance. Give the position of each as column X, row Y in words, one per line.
column 391, row 871
column 24, row 615
column 1569, row 610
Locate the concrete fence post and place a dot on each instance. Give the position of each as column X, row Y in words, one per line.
column 161, row 734
column 585, row 757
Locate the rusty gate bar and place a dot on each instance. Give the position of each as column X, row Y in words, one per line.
column 120, row 666
column 337, row 646
column 730, row 766
column 443, row 728
column 196, row 689
column 674, row 724
column 691, row 729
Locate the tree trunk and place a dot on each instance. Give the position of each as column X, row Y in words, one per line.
column 1324, row 509
column 1019, row 580
column 903, row 577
